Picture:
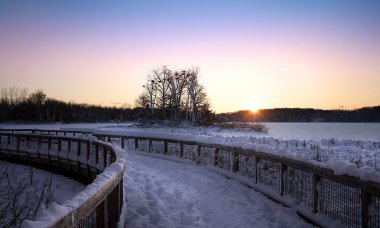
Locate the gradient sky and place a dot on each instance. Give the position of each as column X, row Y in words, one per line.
column 318, row 54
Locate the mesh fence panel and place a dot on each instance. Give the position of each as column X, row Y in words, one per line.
column 340, row 202
column 247, row 166
column 298, row 185
column 268, row 174
column 374, row 211
column 88, row 221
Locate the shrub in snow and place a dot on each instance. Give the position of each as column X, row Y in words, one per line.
column 21, row 198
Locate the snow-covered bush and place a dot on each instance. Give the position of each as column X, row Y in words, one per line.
column 21, row 198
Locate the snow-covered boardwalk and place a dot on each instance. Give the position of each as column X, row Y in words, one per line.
column 163, row 193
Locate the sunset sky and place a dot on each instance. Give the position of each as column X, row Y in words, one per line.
column 266, row 54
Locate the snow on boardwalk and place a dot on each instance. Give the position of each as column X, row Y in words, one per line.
column 162, row 193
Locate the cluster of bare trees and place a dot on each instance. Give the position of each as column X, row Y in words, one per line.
column 175, row 95
column 16, row 104
column 20, row 198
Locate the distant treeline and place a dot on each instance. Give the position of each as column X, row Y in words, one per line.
column 17, row 105
column 368, row 114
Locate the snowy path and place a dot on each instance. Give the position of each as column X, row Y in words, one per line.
column 163, row 193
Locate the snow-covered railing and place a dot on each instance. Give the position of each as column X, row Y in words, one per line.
column 315, row 189
column 83, row 158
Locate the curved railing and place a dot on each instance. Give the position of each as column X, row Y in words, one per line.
column 307, row 186
column 310, row 188
column 89, row 161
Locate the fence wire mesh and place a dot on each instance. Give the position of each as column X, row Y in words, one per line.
column 374, row 211
column 340, row 202
column 268, row 174
column 298, row 185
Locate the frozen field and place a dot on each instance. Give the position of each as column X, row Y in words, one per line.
column 357, row 143
column 301, row 131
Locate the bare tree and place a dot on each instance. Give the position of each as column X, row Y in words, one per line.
column 178, row 91
column 19, row 201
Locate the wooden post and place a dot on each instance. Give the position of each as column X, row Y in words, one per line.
column 136, row 143
column 105, row 156
column 109, row 138
column 257, row 160
column 78, row 149
column 235, row 167
column 101, row 214
column 18, row 143
column 282, row 178
column 113, row 207
column 216, row 157
column 121, row 192
column 59, row 144
column 165, row 147
column 122, row 142
column 198, row 154
column 49, row 144
column 365, row 205
column 9, row 139
column 96, row 153
column 150, row 146
column 314, row 186
column 88, row 150
column 181, row 149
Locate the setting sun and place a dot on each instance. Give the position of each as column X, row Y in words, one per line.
column 254, row 108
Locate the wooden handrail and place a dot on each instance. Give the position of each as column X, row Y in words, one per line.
column 76, row 163
column 369, row 191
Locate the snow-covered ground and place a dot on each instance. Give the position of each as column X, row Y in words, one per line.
column 23, row 188
column 169, row 194
column 162, row 193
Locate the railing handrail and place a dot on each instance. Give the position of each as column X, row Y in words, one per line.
column 105, row 189
column 315, row 167
column 317, row 170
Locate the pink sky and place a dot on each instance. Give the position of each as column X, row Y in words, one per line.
column 296, row 57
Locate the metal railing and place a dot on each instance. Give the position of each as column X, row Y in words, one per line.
column 344, row 199
column 79, row 158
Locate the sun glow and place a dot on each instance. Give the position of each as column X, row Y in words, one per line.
column 254, row 108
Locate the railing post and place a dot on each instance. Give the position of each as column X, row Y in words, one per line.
column 101, row 214
column 105, row 156
column 150, row 146
column 216, row 157
column 235, row 167
column 39, row 145
column 121, row 193
column 88, row 151
column 181, row 149
column 9, row 139
column 282, row 180
column 78, row 149
column 314, row 186
column 122, row 142
column 113, row 207
column 49, row 144
column 257, row 160
column 59, row 145
column 165, row 147
column 365, row 205
column 136, row 143
column 109, row 139
column 198, row 154
column 18, row 143
column 96, row 153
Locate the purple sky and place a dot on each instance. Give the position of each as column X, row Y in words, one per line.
column 318, row 54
